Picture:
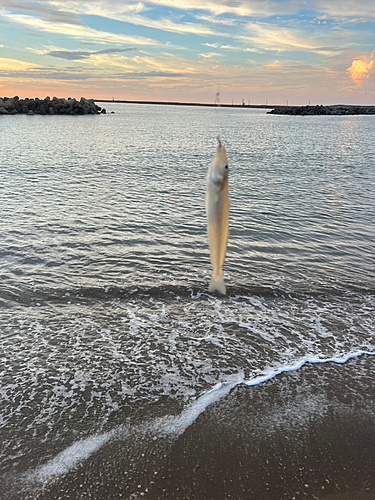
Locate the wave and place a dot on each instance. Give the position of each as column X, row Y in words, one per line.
column 178, row 288
column 170, row 427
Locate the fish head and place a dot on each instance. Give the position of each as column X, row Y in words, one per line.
column 218, row 170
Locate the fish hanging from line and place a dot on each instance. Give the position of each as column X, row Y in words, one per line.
column 217, row 207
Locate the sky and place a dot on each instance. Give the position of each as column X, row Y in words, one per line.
column 252, row 51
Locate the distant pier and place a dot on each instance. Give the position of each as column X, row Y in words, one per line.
column 177, row 103
column 276, row 109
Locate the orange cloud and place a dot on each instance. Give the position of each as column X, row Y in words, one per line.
column 362, row 68
column 7, row 64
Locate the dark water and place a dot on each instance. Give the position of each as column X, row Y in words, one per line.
column 107, row 329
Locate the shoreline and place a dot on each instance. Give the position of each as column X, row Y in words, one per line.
column 56, row 106
column 303, row 434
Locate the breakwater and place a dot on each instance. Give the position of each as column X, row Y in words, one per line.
column 192, row 104
column 335, row 109
column 323, row 110
column 48, row 106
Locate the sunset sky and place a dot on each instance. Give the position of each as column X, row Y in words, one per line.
column 322, row 51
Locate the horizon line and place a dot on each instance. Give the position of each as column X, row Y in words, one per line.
column 215, row 105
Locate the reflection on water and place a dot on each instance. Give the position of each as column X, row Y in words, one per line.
column 131, row 195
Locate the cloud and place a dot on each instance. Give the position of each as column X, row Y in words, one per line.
column 76, row 55
column 129, row 13
column 79, row 32
column 168, row 25
column 239, row 49
column 114, row 51
column 100, row 8
column 217, row 20
column 72, row 55
column 52, row 13
column 218, row 7
column 150, row 74
column 362, row 68
column 236, row 7
column 12, row 68
column 212, row 45
column 211, row 55
column 7, row 64
column 71, row 34
column 344, row 8
column 278, row 39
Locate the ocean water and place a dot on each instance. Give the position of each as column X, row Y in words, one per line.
column 109, row 338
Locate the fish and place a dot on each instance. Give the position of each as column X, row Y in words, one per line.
column 217, row 208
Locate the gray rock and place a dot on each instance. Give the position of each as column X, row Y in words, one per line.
column 6, row 103
column 54, row 106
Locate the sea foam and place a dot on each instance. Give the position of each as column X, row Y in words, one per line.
column 167, row 426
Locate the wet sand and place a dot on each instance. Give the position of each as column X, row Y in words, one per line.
column 307, row 434
column 304, row 434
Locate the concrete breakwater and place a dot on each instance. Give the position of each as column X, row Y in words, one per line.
column 48, row 106
column 323, row 110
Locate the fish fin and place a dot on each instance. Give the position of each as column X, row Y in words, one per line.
column 217, row 285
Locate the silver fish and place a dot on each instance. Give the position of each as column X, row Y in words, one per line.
column 217, row 207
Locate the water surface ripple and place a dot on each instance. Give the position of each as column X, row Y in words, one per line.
column 106, row 322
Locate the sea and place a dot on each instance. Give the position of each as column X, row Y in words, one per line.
column 111, row 346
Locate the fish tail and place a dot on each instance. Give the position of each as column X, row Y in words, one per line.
column 217, row 285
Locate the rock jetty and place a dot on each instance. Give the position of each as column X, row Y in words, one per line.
column 48, row 106
column 323, row 110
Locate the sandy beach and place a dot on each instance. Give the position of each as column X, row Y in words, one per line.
column 305, row 434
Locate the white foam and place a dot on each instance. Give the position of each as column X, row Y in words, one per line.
column 160, row 427
column 169, row 426
column 69, row 458
column 339, row 358
column 177, row 425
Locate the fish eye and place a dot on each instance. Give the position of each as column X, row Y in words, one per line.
column 226, row 166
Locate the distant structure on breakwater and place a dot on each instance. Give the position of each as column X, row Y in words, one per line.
column 201, row 104
column 48, row 106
